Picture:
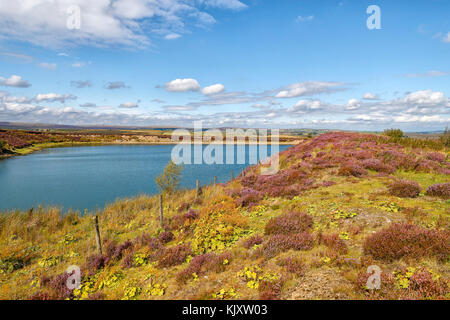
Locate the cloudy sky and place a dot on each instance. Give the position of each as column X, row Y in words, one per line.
column 245, row 63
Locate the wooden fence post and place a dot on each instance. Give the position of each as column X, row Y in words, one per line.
column 98, row 240
column 198, row 190
column 232, row 175
column 161, row 210
column 215, row 180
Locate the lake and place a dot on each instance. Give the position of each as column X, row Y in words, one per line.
column 89, row 177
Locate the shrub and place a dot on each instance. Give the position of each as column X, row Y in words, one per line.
column 404, row 189
column 425, row 165
column 280, row 243
column 155, row 244
column 436, row 156
column 174, row 255
column 191, row 215
column 114, row 251
column 426, row 285
column 128, row 260
column 377, row 165
column 405, row 284
column 203, row 263
column 249, row 197
column 58, row 286
column 441, row 190
column 352, row 169
column 293, row 265
column 94, row 263
column 393, row 133
column 166, row 237
column 220, row 261
column 143, row 240
column 179, row 221
column 334, row 242
column 291, row 222
column 253, row 240
column 270, row 289
column 301, row 241
column 184, row 207
column 407, row 240
column 194, row 267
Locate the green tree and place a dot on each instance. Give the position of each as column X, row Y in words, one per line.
column 170, row 179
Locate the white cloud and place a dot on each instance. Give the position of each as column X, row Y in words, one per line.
column 128, row 105
column 182, row 85
column 213, row 89
column 81, row 84
column 14, row 81
column 306, row 105
column 411, row 118
column 176, row 108
column 426, row 97
column 305, row 19
column 80, row 64
column 53, row 97
column 308, row 88
column 370, row 96
column 103, row 22
column 13, row 99
column 353, row 104
column 88, row 105
column 20, row 56
column 228, row 98
column 225, row 4
column 172, row 36
column 428, row 74
column 116, row 85
column 46, row 65
column 260, row 106
column 446, row 38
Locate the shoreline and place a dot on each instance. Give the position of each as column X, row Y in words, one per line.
column 40, row 147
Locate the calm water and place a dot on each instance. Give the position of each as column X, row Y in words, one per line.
column 90, row 177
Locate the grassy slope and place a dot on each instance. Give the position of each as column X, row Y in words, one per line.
column 42, row 243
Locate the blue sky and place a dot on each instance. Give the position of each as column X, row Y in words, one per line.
column 282, row 64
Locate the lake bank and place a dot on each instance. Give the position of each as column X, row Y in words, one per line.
column 39, row 147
